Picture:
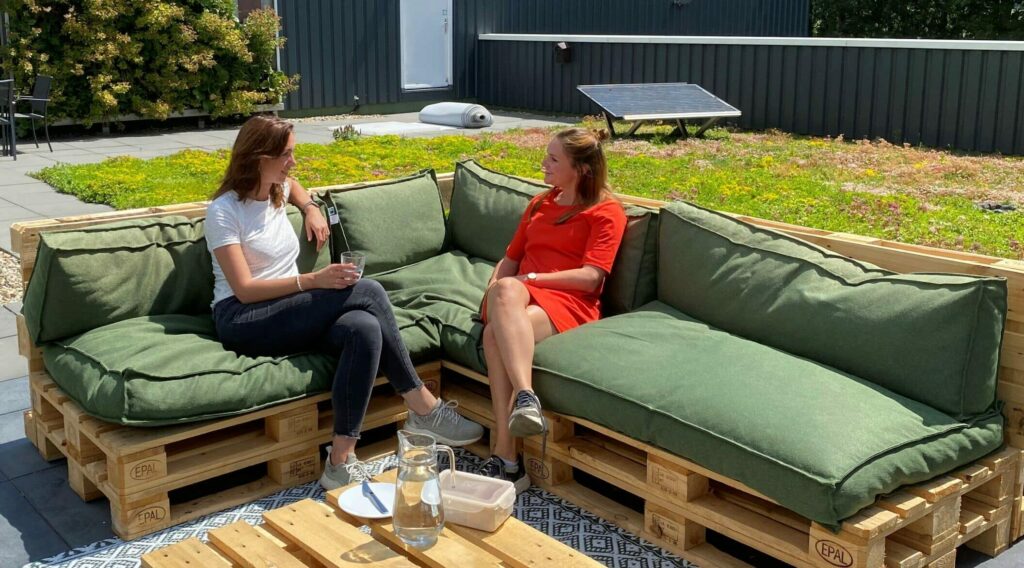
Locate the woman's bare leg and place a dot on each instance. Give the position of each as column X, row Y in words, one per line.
column 517, row 327
column 501, row 396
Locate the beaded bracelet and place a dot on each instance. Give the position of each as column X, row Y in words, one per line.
column 298, row 283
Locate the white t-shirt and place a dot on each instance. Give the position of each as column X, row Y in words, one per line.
column 269, row 243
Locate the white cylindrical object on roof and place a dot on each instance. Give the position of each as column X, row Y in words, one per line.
column 463, row 115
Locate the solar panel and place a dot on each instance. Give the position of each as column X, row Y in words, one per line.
column 650, row 101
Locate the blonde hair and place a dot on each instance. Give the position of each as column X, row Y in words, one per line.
column 261, row 136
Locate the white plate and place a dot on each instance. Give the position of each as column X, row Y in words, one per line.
column 353, row 502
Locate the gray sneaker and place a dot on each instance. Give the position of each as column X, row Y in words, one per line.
column 340, row 475
column 445, row 425
column 526, row 418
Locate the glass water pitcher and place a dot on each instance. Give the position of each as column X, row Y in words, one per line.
column 419, row 511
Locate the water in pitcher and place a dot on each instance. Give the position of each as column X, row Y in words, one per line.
column 419, row 516
column 418, row 511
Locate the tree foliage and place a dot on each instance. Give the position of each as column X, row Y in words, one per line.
column 932, row 19
column 145, row 57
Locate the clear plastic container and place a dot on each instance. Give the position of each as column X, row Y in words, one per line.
column 476, row 501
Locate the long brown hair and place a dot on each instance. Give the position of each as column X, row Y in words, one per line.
column 583, row 146
column 262, row 136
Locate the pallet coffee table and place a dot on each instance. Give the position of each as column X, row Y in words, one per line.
column 308, row 533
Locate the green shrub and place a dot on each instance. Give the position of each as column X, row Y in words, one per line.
column 146, row 57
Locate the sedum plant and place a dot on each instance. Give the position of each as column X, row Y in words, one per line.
column 145, row 57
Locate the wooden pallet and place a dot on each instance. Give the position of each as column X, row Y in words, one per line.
column 308, row 533
column 917, row 526
column 137, row 469
column 894, row 256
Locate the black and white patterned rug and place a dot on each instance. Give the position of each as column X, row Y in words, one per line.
column 545, row 512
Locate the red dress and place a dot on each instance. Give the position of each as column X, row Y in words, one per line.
column 589, row 237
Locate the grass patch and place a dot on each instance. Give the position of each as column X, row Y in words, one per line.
column 875, row 189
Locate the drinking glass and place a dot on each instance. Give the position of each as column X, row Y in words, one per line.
column 354, row 258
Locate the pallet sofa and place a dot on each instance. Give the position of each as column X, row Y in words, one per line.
column 815, row 407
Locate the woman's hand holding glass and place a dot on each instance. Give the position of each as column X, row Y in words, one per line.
column 337, row 276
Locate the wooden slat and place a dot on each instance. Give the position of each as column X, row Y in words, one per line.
column 189, row 553
column 249, row 548
column 331, row 541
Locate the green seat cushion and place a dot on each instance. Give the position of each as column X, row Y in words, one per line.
column 395, row 222
column 485, row 209
column 934, row 338
column 633, row 280
column 94, row 276
column 169, row 369
column 435, row 303
column 820, row 442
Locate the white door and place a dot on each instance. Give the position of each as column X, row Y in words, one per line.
column 426, row 44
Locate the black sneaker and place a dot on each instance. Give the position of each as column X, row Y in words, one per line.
column 495, row 467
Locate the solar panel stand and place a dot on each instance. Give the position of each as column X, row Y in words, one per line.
column 611, row 126
column 711, row 122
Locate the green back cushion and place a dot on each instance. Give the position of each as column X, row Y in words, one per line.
column 168, row 369
column 396, row 222
column 485, row 209
column 88, row 278
column 310, row 259
column 633, row 280
column 932, row 337
column 816, row 440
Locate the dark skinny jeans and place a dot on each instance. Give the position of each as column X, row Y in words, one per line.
column 356, row 324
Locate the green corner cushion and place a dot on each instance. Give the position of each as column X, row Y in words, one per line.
column 90, row 277
column 818, row 441
column 633, row 280
column 485, row 209
column 789, row 294
column 395, row 222
column 170, row 369
column 435, row 303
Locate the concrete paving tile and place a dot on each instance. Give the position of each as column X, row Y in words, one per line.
column 12, row 365
column 18, row 456
column 15, row 178
column 79, row 158
column 13, row 212
column 30, row 186
column 32, row 200
column 13, row 307
column 8, row 326
column 14, row 396
column 92, row 144
column 24, row 535
column 48, row 210
column 74, row 520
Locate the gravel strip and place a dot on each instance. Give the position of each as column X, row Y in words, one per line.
column 10, row 278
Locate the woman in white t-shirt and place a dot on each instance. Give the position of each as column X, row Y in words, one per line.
column 263, row 306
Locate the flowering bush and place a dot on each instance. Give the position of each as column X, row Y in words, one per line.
column 146, row 57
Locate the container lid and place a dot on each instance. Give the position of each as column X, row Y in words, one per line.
column 472, row 491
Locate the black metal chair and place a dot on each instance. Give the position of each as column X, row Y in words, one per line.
column 7, row 118
column 37, row 107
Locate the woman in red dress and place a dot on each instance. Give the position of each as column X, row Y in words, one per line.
column 549, row 282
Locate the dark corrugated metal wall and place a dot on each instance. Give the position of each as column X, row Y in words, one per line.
column 344, row 48
column 970, row 100
column 657, row 17
column 347, row 48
